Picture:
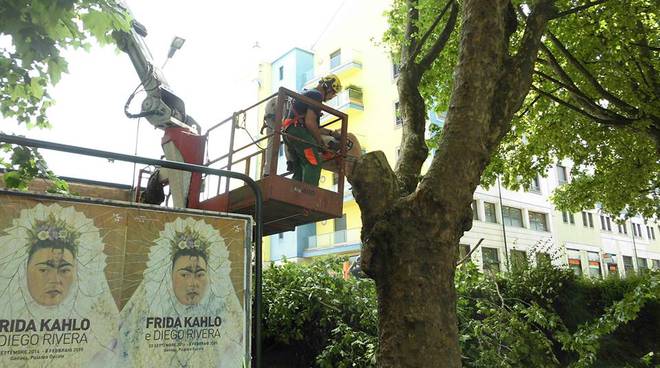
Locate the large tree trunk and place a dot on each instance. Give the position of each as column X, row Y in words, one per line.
column 411, row 228
column 417, row 299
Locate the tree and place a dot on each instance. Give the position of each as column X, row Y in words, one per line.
column 31, row 62
column 594, row 101
column 411, row 222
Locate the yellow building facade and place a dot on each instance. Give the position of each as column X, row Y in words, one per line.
column 509, row 221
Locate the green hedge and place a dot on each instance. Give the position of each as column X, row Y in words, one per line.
column 534, row 317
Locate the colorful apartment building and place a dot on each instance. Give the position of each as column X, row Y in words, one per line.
column 514, row 225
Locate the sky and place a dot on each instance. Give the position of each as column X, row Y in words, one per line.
column 214, row 73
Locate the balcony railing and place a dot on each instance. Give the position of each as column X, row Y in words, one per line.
column 350, row 97
column 349, row 61
column 336, row 238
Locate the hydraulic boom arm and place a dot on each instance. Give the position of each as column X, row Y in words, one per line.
column 165, row 110
column 162, row 108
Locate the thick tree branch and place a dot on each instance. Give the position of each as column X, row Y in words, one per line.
column 646, row 58
column 376, row 189
column 469, row 255
column 464, row 149
column 410, row 38
column 651, row 48
column 573, row 89
column 440, row 43
column 374, row 186
column 590, row 78
column 568, row 105
column 413, row 142
column 522, row 66
column 577, row 94
column 531, row 104
column 429, row 31
column 578, row 9
column 601, row 113
column 639, row 69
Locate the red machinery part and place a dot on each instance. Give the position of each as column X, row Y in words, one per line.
column 191, row 146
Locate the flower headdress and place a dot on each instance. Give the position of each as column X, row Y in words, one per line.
column 52, row 224
column 54, row 229
column 190, row 239
column 155, row 297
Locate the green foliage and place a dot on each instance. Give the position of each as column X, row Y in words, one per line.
column 586, row 340
column 615, row 161
column 547, row 317
column 330, row 322
column 37, row 32
column 436, row 83
column 533, row 317
column 24, row 165
column 34, row 33
column 612, row 144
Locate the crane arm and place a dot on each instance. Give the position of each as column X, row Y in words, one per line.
column 162, row 107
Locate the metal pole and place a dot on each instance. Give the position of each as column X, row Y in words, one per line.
column 230, row 158
column 178, row 166
column 506, row 248
column 634, row 230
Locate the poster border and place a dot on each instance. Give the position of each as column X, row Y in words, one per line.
column 247, row 275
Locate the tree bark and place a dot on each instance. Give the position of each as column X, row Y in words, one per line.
column 413, row 269
column 411, row 228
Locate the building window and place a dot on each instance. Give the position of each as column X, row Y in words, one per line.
column 518, row 259
column 641, row 264
column 398, row 119
column 475, row 210
column 628, row 265
column 281, row 72
column 567, row 217
column 280, row 236
column 587, row 219
column 637, row 229
column 574, row 261
column 605, row 223
column 536, row 185
column 543, row 258
column 512, row 216
column 594, row 265
column 396, row 70
column 463, row 250
column 491, row 259
column 561, row 174
column 610, row 263
column 622, row 228
column 335, row 59
column 489, row 209
column 340, row 229
column 656, row 264
column 537, row 221
column 650, row 232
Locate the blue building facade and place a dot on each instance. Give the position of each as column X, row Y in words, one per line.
column 291, row 71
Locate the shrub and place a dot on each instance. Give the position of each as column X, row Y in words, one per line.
column 533, row 317
column 317, row 318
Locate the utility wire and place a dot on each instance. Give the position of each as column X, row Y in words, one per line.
column 328, row 24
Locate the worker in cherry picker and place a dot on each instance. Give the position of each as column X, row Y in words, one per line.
column 302, row 131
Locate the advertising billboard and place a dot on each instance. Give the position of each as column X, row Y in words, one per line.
column 105, row 284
